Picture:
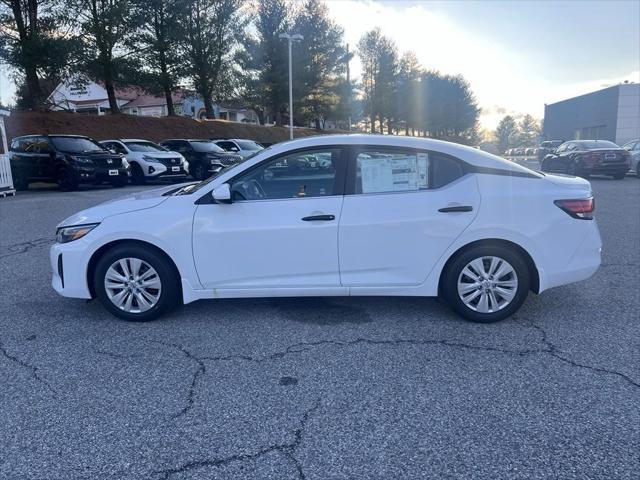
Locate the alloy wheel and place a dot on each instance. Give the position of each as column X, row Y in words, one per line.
column 132, row 285
column 487, row 284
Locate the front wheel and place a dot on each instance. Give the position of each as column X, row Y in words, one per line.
column 619, row 176
column 136, row 283
column 67, row 179
column 486, row 283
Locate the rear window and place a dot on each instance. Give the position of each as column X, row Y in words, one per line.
column 594, row 144
column 76, row 144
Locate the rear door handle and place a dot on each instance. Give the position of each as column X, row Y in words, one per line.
column 313, row 218
column 460, row 208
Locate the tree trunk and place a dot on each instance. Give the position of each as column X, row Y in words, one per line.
column 373, row 123
column 278, row 117
column 111, row 93
column 166, row 84
column 381, row 120
column 35, row 96
column 208, row 106
column 169, row 98
column 318, row 126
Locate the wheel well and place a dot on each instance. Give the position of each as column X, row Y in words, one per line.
column 533, row 270
column 108, row 246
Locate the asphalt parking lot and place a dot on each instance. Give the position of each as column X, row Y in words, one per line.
column 330, row 388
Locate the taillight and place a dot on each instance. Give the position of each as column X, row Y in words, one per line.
column 578, row 208
column 590, row 159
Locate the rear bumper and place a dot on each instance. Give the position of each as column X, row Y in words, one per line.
column 613, row 169
column 584, row 262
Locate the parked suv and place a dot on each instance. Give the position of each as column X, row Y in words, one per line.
column 633, row 147
column 583, row 158
column 148, row 160
column 204, row 156
column 242, row 147
column 66, row 159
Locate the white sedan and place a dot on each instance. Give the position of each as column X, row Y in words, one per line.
column 337, row 215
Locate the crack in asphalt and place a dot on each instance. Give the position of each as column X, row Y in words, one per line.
column 194, row 379
column 555, row 352
column 288, row 449
column 32, row 368
column 24, row 247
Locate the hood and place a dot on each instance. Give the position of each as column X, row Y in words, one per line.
column 160, row 154
column 116, row 206
column 568, row 181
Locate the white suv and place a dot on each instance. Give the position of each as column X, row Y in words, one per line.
column 149, row 160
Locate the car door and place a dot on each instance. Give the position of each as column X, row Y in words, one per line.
column 281, row 229
column 402, row 210
column 24, row 164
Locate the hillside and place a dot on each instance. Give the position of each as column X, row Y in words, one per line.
column 150, row 128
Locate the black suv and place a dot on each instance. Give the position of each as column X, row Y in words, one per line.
column 204, row 156
column 66, row 159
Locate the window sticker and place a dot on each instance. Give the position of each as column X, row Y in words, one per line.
column 393, row 173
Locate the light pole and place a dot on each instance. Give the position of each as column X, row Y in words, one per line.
column 291, row 38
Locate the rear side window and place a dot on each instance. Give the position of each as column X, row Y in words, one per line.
column 445, row 170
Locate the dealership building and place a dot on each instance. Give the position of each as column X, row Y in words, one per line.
column 612, row 113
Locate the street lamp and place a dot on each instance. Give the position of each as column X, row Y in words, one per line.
column 291, row 38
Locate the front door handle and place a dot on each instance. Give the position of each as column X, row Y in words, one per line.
column 313, row 218
column 460, row 208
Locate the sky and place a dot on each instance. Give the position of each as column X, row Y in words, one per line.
column 517, row 55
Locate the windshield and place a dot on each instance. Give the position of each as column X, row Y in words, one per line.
column 248, row 145
column 206, row 146
column 144, row 147
column 194, row 188
column 594, row 144
column 76, row 144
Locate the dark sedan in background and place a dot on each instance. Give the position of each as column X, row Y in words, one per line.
column 584, row 158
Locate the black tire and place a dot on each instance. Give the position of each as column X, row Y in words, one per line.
column 20, row 182
column 120, row 182
column 67, row 180
column 449, row 285
column 619, row 176
column 199, row 171
column 137, row 175
column 170, row 281
column 638, row 170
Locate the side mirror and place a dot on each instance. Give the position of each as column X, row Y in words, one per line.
column 222, row 194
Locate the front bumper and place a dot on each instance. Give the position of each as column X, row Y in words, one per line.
column 163, row 171
column 92, row 175
column 69, row 269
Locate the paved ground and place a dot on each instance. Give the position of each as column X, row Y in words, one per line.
column 318, row 389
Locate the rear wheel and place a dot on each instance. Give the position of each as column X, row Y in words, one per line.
column 486, row 283
column 137, row 175
column 135, row 283
column 67, row 179
column 20, row 182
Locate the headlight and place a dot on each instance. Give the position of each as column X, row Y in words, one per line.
column 125, row 164
column 69, row 234
column 185, row 165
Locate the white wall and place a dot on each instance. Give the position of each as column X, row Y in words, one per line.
column 628, row 124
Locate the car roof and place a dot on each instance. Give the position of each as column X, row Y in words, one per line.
column 470, row 155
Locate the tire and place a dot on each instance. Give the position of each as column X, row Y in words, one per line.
column 20, row 183
column 199, row 172
column 121, row 182
column 619, row 176
column 67, row 180
column 160, row 272
column 454, row 277
column 137, row 175
column 638, row 170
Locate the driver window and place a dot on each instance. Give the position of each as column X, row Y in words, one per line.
column 304, row 174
